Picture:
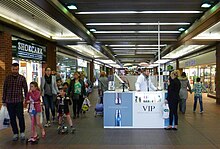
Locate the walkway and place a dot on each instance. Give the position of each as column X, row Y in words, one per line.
column 196, row 131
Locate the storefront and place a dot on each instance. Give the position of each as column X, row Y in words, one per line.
column 66, row 66
column 82, row 66
column 203, row 66
column 30, row 57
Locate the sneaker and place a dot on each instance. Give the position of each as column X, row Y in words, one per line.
column 22, row 136
column 194, row 111
column 47, row 124
column 59, row 127
column 15, row 137
column 201, row 112
column 72, row 129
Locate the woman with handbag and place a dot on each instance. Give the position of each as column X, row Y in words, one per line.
column 77, row 92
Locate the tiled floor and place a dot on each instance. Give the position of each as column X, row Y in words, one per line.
column 196, row 131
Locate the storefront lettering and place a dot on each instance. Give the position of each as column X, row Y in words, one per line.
column 29, row 48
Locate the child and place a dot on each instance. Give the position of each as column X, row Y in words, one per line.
column 33, row 99
column 198, row 88
column 63, row 102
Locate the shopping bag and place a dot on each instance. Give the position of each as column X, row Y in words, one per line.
column 165, row 111
column 86, row 102
column 5, row 117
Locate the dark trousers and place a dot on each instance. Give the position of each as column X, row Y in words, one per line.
column 49, row 105
column 173, row 112
column 16, row 110
column 77, row 105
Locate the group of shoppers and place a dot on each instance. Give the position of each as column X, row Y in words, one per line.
column 15, row 90
column 178, row 87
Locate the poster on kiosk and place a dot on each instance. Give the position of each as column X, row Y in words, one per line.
column 147, row 110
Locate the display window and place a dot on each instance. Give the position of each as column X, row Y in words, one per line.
column 207, row 74
column 31, row 70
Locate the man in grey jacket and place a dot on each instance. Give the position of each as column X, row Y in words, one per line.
column 183, row 92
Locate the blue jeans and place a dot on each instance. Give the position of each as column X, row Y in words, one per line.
column 200, row 102
column 49, row 105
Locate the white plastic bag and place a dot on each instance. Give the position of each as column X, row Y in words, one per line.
column 4, row 117
column 165, row 111
column 86, row 102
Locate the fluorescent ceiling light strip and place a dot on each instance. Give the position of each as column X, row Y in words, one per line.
column 66, row 38
column 134, row 32
column 108, row 24
column 121, row 45
column 142, row 12
column 134, row 48
column 163, row 45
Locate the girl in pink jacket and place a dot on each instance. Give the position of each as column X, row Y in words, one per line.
column 33, row 99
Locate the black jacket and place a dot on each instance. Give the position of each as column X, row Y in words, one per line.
column 173, row 90
column 72, row 89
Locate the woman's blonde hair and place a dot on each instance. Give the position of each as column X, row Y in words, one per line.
column 175, row 73
column 102, row 74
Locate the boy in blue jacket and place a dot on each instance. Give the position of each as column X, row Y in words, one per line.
column 198, row 88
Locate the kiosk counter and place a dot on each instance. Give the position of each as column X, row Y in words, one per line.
column 134, row 109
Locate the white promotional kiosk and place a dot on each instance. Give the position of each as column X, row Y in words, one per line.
column 134, row 109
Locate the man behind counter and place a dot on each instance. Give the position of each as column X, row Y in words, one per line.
column 144, row 83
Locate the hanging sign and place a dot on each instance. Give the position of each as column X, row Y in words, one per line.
column 30, row 51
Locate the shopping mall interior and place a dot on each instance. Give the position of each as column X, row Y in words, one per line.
column 119, row 38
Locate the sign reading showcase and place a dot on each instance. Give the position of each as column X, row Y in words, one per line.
column 30, row 51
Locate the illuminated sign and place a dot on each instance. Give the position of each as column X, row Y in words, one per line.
column 31, row 51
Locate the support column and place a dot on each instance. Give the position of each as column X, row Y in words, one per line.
column 51, row 56
column 92, row 71
column 217, row 75
column 5, row 58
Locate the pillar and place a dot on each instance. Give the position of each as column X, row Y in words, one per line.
column 91, row 71
column 5, row 58
column 217, row 81
column 51, row 57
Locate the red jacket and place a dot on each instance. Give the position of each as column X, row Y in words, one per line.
column 34, row 95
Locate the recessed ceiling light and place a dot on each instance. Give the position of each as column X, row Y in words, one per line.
column 181, row 29
column 206, row 5
column 93, row 30
column 72, row 7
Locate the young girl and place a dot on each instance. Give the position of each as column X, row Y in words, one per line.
column 33, row 99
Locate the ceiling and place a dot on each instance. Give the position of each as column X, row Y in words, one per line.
column 130, row 29
column 124, row 31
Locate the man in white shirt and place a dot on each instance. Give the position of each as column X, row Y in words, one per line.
column 144, row 83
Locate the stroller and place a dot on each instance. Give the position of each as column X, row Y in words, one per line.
column 99, row 109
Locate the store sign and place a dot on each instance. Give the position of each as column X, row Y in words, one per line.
column 82, row 63
column 190, row 63
column 30, row 51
